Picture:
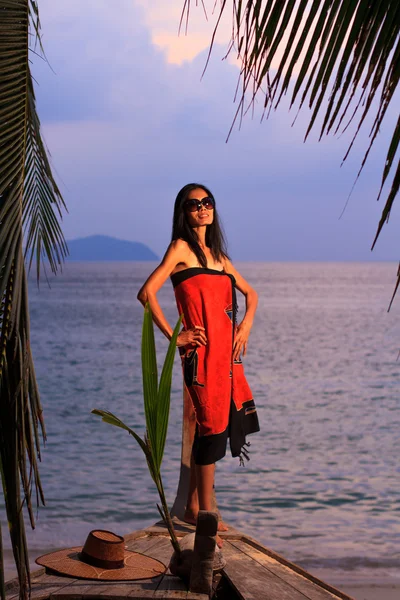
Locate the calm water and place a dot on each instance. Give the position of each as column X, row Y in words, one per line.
column 322, row 487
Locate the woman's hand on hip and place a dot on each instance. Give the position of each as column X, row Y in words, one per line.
column 240, row 341
column 196, row 335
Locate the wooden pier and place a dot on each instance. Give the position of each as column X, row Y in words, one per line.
column 252, row 572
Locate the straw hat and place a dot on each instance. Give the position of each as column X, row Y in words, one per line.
column 102, row 557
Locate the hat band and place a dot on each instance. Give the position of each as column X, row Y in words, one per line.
column 99, row 562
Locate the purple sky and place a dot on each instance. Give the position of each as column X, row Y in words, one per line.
column 127, row 128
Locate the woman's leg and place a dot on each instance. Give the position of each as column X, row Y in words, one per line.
column 192, row 504
column 205, row 485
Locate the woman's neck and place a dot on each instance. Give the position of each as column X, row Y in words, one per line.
column 201, row 236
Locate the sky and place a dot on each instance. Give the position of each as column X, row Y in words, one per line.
column 129, row 120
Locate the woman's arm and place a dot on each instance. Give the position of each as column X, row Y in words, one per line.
column 147, row 293
column 243, row 330
column 177, row 252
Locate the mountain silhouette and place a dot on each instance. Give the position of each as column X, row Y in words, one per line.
column 104, row 247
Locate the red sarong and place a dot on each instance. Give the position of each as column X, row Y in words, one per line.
column 221, row 396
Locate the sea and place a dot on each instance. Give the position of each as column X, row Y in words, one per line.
column 322, row 487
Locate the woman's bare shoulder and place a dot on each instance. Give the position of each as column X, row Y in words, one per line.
column 177, row 251
column 179, row 245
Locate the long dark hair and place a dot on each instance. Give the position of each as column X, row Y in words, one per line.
column 215, row 238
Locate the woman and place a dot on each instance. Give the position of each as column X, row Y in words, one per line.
column 210, row 343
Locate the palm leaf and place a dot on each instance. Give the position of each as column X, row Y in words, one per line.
column 157, row 405
column 156, row 398
column 164, row 394
column 350, row 53
column 150, row 380
column 2, row 582
column 396, row 288
column 108, row 417
column 30, row 205
column 111, row 419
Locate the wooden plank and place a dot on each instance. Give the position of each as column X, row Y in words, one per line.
column 162, row 550
column 158, row 547
column 133, row 535
column 181, row 529
column 145, row 544
column 78, row 589
column 171, row 587
column 124, row 589
column 252, row 581
column 116, row 590
column 44, row 585
column 311, row 590
column 14, row 583
column 278, row 557
column 282, row 560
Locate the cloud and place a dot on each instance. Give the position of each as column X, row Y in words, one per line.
column 126, row 130
column 163, row 19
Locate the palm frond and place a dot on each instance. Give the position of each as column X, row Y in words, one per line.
column 157, row 406
column 156, row 396
column 347, row 54
column 396, row 288
column 164, row 393
column 150, row 380
column 108, row 417
column 29, row 205
column 2, row 581
column 41, row 198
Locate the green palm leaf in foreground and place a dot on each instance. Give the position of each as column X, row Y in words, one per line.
column 29, row 203
column 156, row 406
column 346, row 53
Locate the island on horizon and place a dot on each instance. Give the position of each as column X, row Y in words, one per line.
column 105, row 247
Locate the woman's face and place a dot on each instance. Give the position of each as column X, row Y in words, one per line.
column 202, row 217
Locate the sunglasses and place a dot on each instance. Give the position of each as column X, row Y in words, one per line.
column 192, row 205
